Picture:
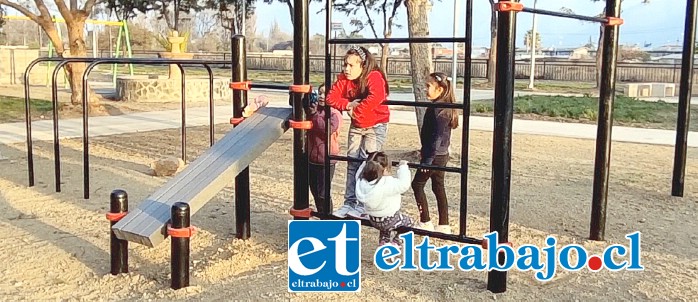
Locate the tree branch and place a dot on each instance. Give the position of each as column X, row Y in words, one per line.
column 43, row 10
column 65, row 11
column 396, row 4
column 21, row 9
column 89, row 4
column 385, row 17
column 370, row 21
column 168, row 20
column 290, row 10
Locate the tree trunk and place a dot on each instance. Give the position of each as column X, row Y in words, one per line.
column 421, row 67
column 599, row 56
column 385, row 51
column 76, row 40
column 492, row 61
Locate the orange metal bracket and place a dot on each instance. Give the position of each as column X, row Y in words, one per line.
column 508, row 6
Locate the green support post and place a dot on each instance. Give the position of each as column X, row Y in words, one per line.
column 127, row 37
column 116, row 55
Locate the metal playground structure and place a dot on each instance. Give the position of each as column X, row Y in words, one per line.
column 167, row 212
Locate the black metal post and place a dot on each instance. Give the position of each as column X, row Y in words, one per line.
column 211, row 105
column 501, row 150
column 184, row 113
column 329, row 58
column 684, row 114
column 397, row 40
column 300, row 77
column 119, row 248
column 179, row 265
column 603, row 134
column 27, row 115
column 563, row 15
column 28, row 125
column 334, row 47
column 242, row 181
column 56, row 143
column 270, row 86
column 465, row 136
column 54, row 98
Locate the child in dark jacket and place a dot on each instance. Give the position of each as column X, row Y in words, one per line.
column 316, row 138
column 435, row 137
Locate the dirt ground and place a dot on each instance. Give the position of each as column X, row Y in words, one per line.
column 55, row 246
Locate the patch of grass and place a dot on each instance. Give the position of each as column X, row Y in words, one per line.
column 12, row 109
column 558, row 86
column 544, row 86
column 626, row 110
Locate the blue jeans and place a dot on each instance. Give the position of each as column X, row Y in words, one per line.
column 361, row 142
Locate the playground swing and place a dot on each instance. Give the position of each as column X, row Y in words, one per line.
column 123, row 32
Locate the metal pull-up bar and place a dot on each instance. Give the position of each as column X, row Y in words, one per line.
column 397, row 40
column 513, row 6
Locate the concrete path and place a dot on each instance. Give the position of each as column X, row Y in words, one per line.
column 150, row 121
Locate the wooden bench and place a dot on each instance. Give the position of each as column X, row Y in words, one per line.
column 204, row 177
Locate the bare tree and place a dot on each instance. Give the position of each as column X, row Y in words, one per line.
column 289, row 4
column 387, row 9
column 205, row 21
column 74, row 16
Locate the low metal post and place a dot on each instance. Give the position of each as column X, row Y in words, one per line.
column 118, row 201
column 180, row 245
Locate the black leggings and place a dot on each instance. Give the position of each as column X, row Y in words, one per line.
column 437, row 186
column 316, row 182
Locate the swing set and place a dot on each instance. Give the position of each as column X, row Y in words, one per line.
column 123, row 39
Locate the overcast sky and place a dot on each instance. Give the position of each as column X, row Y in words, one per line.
column 657, row 23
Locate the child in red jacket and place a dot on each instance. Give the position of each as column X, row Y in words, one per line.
column 361, row 89
column 316, row 138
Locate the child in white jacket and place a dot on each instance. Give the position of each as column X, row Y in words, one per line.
column 381, row 194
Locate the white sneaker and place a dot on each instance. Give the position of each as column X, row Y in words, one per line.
column 358, row 213
column 427, row 226
column 443, row 228
column 342, row 211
